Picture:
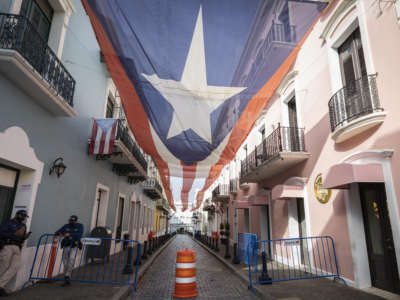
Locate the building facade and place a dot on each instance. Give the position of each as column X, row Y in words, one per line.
column 322, row 159
column 53, row 84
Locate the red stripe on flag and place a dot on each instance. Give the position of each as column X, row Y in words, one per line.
column 93, row 140
column 112, row 137
column 102, row 142
column 189, row 174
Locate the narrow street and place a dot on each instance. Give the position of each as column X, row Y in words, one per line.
column 214, row 280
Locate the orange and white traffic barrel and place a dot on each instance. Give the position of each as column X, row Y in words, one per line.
column 185, row 275
column 53, row 254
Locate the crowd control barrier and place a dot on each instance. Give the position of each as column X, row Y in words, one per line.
column 246, row 242
column 292, row 259
column 120, row 267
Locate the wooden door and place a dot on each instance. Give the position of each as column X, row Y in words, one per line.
column 379, row 237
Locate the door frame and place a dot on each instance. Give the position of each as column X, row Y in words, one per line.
column 355, row 221
column 15, row 186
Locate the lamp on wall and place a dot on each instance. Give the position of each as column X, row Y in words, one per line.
column 58, row 167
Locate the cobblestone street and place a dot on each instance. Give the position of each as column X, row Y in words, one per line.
column 214, row 280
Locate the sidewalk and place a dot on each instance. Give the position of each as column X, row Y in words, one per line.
column 88, row 291
column 302, row 289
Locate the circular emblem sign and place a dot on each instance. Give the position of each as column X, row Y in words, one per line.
column 323, row 195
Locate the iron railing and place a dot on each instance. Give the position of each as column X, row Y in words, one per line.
column 357, row 99
column 221, row 190
column 233, row 185
column 152, row 183
column 17, row 33
column 282, row 139
column 281, row 33
column 130, row 144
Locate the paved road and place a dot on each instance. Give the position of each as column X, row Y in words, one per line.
column 214, row 280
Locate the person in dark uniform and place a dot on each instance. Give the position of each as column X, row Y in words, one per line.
column 12, row 237
column 72, row 233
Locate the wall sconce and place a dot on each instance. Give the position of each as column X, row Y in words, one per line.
column 58, row 167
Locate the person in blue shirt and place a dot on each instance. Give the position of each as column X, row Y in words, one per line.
column 71, row 243
column 12, row 237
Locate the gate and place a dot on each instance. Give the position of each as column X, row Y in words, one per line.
column 97, row 260
column 292, row 259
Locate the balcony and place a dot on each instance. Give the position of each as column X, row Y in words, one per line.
column 281, row 33
column 28, row 62
column 162, row 204
column 221, row 193
column 208, row 207
column 233, row 186
column 355, row 109
column 281, row 150
column 127, row 159
column 152, row 188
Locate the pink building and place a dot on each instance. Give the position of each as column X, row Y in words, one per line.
column 323, row 158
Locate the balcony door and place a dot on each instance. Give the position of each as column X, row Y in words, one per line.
column 291, row 134
column 379, row 237
column 40, row 14
column 354, row 77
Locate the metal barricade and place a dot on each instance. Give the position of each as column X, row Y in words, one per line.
column 246, row 242
column 51, row 262
column 292, row 259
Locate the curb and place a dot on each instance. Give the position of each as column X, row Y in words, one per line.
column 243, row 278
column 125, row 290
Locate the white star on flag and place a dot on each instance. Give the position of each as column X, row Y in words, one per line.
column 191, row 98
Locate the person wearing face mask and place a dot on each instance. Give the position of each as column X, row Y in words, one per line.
column 72, row 233
column 12, row 237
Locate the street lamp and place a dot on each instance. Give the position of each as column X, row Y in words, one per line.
column 58, row 167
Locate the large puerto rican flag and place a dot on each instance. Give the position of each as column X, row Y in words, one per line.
column 194, row 75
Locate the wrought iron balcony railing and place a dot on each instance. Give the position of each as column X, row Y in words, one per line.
column 17, row 33
column 130, row 144
column 221, row 190
column 281, row 33
column 282, row 139
column 233, row 186
column 152, row 188
column 357, row 99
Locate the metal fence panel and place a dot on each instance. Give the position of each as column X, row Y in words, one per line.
column 293, row 259
column 98, row 260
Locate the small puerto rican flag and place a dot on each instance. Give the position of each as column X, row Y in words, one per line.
column 103, row 136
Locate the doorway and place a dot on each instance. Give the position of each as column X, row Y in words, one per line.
column 246, row 220
column 301, row 219
column 265, row 227
column 8, row 186
column 379, row 237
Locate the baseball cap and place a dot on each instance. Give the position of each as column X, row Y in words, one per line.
column 73, row 218
column 22, row 213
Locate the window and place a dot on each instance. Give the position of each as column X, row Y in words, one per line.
column 144, row 218
column 8, row 186
column 110, row 108
column 120, row 217
column 99, row 211
column 40, row 14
